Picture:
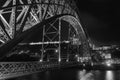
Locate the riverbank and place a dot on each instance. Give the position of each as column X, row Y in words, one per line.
column 99, row 66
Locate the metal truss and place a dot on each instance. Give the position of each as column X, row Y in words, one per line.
column 19, row 15
column 63, row 37
column 17, row 69
column 63, row 33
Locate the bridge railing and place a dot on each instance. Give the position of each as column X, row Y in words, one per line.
column 16, row 69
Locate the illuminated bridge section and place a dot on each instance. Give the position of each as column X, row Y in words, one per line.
column 60, row 41
column 20, row 15
column 16, row 69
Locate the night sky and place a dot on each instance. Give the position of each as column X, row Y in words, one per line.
column 101, row 19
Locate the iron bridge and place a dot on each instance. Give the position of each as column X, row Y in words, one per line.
column 52, row 28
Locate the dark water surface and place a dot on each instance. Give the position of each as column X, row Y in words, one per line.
column 73, row 74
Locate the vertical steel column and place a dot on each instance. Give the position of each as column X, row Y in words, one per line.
column 59, row 54
column 42, row 44
column 68, row 49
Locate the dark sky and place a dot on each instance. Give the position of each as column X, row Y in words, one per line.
column 101, row 19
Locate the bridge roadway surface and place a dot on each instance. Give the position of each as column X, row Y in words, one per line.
column 16, row 69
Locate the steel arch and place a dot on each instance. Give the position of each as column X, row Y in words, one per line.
column 54, row 31
column 20, row 15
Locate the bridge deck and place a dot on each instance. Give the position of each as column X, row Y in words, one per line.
column 16, row 69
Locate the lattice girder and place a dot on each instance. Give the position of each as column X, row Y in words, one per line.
column 16, row 69
column 53, row 36
column 16, row 11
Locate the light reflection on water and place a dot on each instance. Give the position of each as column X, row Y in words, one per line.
column 84, row 75
column 109, row 75
column 96, row 75
column 73, row 74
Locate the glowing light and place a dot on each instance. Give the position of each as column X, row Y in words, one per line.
column 92, row 64
column 52, row 42
column 108, row 64
column 78, row 59
column 56, row 51
column 44, row 51
column 76, row 55
column 59, row 60
column 109, row 75
column 83, row 64
column 67, row 60
column 41, row 60
column 83, row 75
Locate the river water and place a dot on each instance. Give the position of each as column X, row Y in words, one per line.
column 73, row 74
